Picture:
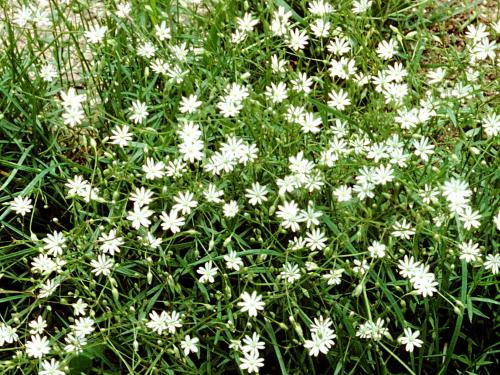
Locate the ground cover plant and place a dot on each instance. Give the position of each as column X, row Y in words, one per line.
column 224, row 187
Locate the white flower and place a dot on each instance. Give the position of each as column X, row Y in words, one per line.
column 102, row 265
column 408, row 267
column 492, row 263
column 294, row 113
column 83, row 326
column 37, row 346
column 317, row 344
column 171, row 221
column 343, row 193
column 123, row 10
column 121, row 136
column 276, row 93
column 192, row 150
column 95, row 34
column 207, row 272
column 256, row 194
column 319, row 7
column 316, row 239
column 176, row 168
column 173, row 321
column 43, row 264
column 251, row 303
column 410, row 340
column 387, row 49
column 310, row 216
column 402, row 230
column 189, row 104
column 424, row 282
column 343, row 68
column 189, row 131
column 469, row 251
column 339, row 46
column 435, row 76
column 246, row 23
column 252, row 344
column 364, row 190
column 491, row 124
column 456, row 190
column 79, row 307
column 360, row 266
column 77, row 186
column 230, row 209
column 7, row 334
column 423, row 148
column 310, row 123
column 162, row 32
column 302, row 83
column 158, row 323
column 383, row 174
column 289, row 214
column 334, row 276
column 251, row 362
column 339, row 100
column 290, row 272
column 74, row 343
column 322, row 336
column 151, row 241
column 50, row 368
column 71, row 99
column 470, row 219
column 48, row 72
column 22, row 16
column 321, row 28
column 297, row 39
column 21, row 205
column 377, row 249
column 279, row 22
column 38, row 325
column 278, row 65
column 146, row 50
column 184, row 202
column 361, row 6
column 153, row 170
column 73, row 116
column 140, row 216
column 229, row 107
column 54, row 243
column 233, row 261
column 476, row 33
column 212, row 194
column 396, row 72
column 141, row 196
column 371, row 330
column 428, row 194
column 110, row 242
column 139, row 112
column 190, row 345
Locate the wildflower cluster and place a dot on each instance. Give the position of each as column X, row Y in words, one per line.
column 198, row 186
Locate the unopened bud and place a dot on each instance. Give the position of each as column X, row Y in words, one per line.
column 357, row 291
column 115, row 293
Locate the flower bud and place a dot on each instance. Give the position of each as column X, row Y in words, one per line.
column 357, row 291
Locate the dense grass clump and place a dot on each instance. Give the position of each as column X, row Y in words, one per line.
column 284, row 187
